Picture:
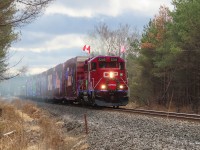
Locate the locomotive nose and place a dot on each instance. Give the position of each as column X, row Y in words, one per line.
column 112, row 85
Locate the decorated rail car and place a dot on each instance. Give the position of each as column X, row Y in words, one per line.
column 101, row 81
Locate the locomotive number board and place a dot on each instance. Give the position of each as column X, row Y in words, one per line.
column 101, row 59
column 113, row 59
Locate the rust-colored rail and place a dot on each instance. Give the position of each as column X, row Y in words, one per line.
column 182, row 116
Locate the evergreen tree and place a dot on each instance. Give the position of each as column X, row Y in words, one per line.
column 15, row 13
column 169, row 56
column 7, row 36
column 185, row 36
column 153, row 58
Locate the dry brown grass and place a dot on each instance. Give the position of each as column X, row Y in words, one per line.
column 33, row 128
column 132, row 105
column 154, row 106
column 11, row 122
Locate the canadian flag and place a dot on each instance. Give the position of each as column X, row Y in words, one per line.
column 123, row 49
column 86, row 48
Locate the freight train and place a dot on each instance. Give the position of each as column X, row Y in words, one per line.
column 100, row 80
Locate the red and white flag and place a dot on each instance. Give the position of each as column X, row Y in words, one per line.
column 86, row 48
column 123, row 49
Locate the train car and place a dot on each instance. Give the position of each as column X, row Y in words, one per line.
column 57, row 82
column 101, row 81
column 43, row 86
column 73, row 71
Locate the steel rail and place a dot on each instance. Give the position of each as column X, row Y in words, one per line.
column 164, row 114
column 182, row 116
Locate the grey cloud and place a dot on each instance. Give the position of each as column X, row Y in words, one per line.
column 83, row 4
column 56, row 24
column 61, row 24
column 45, row 58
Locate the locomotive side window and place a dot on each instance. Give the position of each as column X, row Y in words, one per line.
column 121, row 66
column 93, row 66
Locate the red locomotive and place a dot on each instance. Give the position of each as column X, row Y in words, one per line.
column 101, row 81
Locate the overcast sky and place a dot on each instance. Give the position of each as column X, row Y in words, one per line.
column 58, row 34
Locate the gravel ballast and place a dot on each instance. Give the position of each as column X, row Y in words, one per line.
column 125, row 131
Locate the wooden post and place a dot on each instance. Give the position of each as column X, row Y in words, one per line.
column 86, row 127
column 0, row 112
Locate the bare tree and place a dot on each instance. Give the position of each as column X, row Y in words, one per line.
column 24, row 11
column 23, row 70
column 106, row 41
column 15, row 13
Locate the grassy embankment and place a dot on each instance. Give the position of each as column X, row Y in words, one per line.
column 24, row 126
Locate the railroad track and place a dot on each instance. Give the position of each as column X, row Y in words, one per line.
column 182, row 116
column 164, row 114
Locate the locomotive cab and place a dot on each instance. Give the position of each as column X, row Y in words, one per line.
column 107, row 83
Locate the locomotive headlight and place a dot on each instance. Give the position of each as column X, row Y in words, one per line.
column 121, row 86
column 103, row 86
column 111, row 75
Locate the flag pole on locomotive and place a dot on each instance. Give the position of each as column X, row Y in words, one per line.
column 86, row 48
column 123, row 50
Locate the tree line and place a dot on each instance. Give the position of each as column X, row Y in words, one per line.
column 168, row 61
column 163, row 63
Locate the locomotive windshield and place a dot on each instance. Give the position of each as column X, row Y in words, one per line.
column 108, row 65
